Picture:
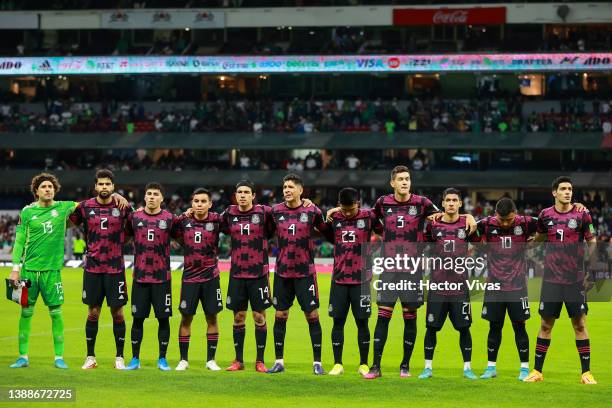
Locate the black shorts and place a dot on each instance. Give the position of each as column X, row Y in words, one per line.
column 97, row 286
column 458, row 309
column 207, row 293
column 554, row 295
column 157, row 294
column 304, row 289
column 241, row 292
column 341, row 297
column 496, row 303
column 410, row 299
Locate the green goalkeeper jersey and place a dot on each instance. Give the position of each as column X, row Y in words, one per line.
column 39, row 241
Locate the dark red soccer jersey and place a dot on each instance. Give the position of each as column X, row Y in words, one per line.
column 152, row 235
column 451, row 243
column 505, row 249
column 104, row 228
column 349, row 236
column 563, row 262
column 249, row 232
column 294, row 229
column 200, row 240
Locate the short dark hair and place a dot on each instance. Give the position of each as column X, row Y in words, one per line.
column 154, row 185
column 399, row 169
column 200, row 190
column 505, row 206
column 105, row 173
column 559, row 180
column 348, row 196
column 246, row 183
column 293, row 177
column 451, row 190
column 41, row 178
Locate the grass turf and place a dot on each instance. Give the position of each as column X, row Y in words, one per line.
column 297, row 386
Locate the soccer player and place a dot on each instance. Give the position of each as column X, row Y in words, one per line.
column 38, row 255
column 351, row 227
column 199, row 235
column 564, row 277
column 403, row 216
column 451, row 238
column 104, row 272
column 152, row 230
column 295, row 274
column 249, row 226
column 506, row 234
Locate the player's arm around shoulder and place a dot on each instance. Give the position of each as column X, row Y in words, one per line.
column 19, row 244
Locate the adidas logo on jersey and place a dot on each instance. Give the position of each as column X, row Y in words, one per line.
column 140, row 224
column 34, row 217
column 313, row 302
column 188, row 225
column 92, row 212
column 439, row 234
column 389, row 211
column 550, row 223
column 494, row 231
column 281, row 218
column 338, row 225
column 235, row 219
column 121, row 297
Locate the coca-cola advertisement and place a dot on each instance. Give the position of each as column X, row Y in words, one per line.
column 449, row 16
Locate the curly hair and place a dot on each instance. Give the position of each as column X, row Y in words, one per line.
column 42, row 177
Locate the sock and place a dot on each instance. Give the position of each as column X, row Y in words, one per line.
column 465, row 342
column 91, row 331
column 337, row 336
column 363, row 338
column 119, row 333
column 280, row 329
column 25, row 324
column 521, row 338
column 239, row 341
column 540, row 354
column 494, row 340
column 211, row 345
column 380, row 334
column 261, row 334
column 430, row 344
column 316, row 337
column 410, row 333
column 184, row 347
column 57, row 327
column 136, row 335
column 163, row 336
column 467, row 365
column 429, row 364
column 584, row 351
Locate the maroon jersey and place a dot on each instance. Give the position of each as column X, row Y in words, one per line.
column 152, row 235
column 294, row 229
column 563, row 262
column 451, row 242
column 104, row 227
column 200, row 240
column 249, row 232
column 506, row 250
column 349, row 235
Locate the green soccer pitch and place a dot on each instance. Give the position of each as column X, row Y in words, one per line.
column 198, row 387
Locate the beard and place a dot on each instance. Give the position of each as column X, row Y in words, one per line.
column 104, row 194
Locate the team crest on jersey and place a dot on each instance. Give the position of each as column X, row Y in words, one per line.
column 209, row 226
column 303, row 217
column 163, row 224
column 255, row 219
column 54, row 213
column 461, row 234
column 116, row 212
column 361, row 224
column 412, row 210
column 518, row 230
column 430, row 318
column 184, row 304
column 572, row 224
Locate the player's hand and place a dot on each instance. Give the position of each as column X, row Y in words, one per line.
column 120, row 201
column 470, row 224
column 307, row 203
column 175, row 245
column 141, row 208
column 14, row 277
column 588, row 282
column 188, row 212
column 435, row 217
column 580, row 207
column 330, row 212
